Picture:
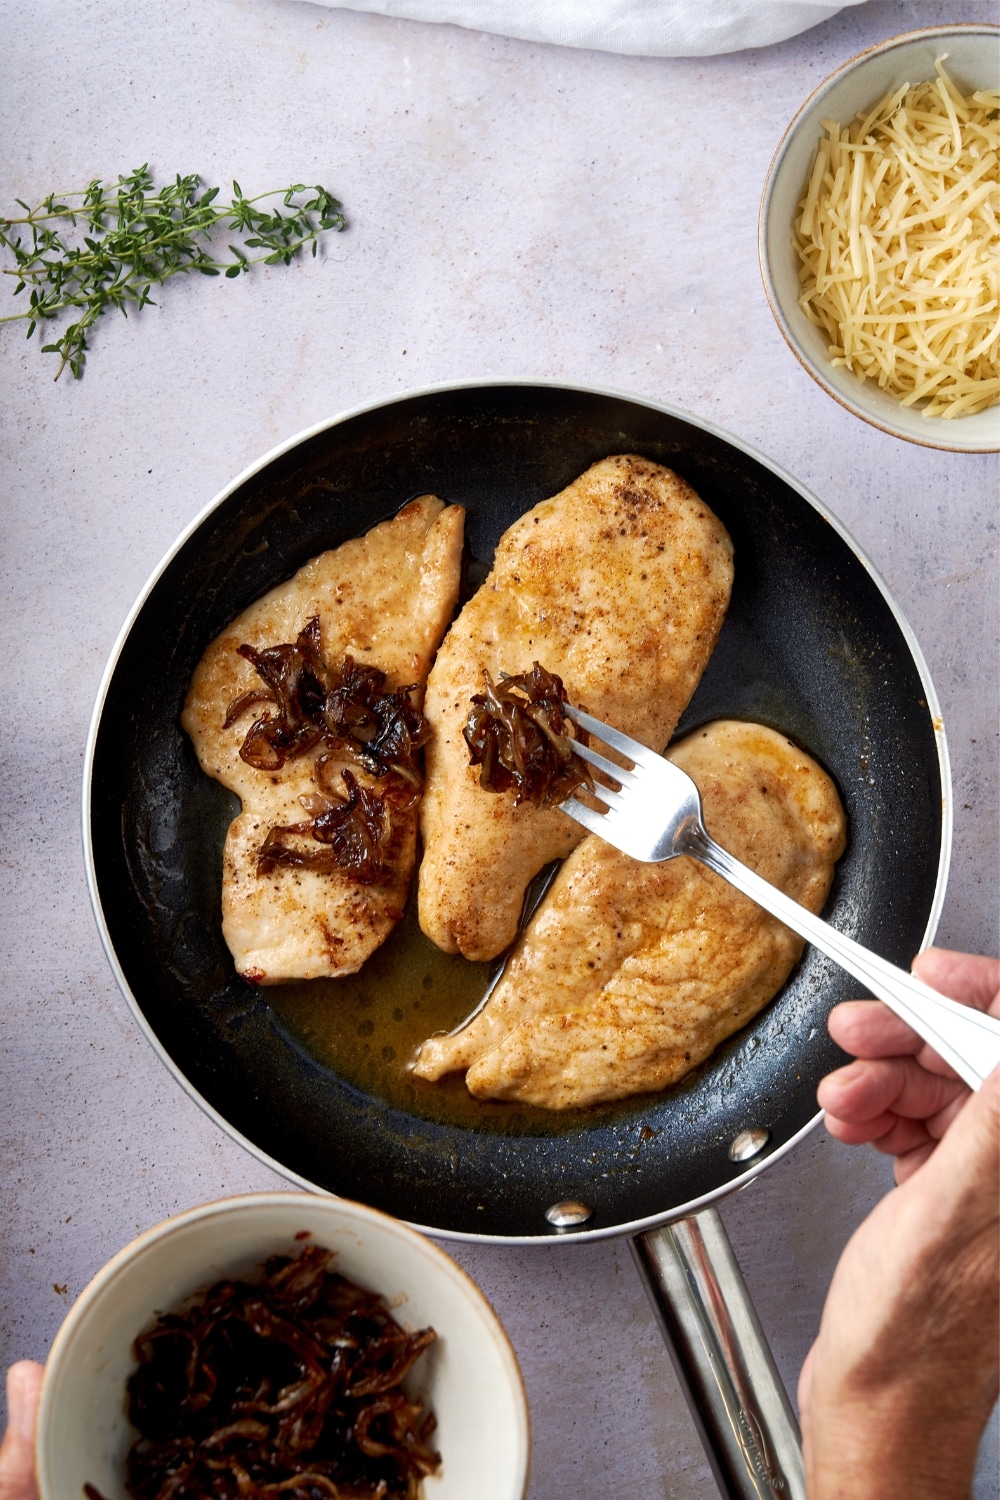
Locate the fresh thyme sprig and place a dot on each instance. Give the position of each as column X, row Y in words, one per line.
column 136, row 236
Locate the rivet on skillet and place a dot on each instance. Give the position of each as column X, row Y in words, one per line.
column 747, row 1144
column 568, row 1214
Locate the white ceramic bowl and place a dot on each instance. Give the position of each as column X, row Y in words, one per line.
column 469, row 1376
column 974, row 63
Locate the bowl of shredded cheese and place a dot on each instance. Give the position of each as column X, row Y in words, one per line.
column 879, row 237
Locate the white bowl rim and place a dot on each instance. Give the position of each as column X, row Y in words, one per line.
column 103, row 1280
column 924, row 33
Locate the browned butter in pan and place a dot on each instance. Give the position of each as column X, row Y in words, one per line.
column 366, row 1027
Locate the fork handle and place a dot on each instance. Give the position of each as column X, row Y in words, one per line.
column 966, row 1039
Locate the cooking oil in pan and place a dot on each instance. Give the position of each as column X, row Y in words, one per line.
column 367, row 1027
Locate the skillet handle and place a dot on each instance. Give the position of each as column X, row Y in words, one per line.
column 725, row 1367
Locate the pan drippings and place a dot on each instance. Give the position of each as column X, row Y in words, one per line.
column 366, row 1028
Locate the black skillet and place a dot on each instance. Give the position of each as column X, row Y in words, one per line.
column 812, row 645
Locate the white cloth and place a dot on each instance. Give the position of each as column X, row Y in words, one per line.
column 645, row 28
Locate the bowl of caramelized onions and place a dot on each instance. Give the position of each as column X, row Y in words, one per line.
column 879, row 237
column 282, row 1346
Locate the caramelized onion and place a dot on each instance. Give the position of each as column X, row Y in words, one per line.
column 295, row 678
column 354, row 832
column 382, row 729
column 517, row 733
column 345, row 708
column 290, row 1387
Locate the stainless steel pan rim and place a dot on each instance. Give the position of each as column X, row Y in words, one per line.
column 617, row 1230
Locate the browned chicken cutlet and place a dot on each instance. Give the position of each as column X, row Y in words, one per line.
column 619, row 584
column 630, row 975
column 385, row 600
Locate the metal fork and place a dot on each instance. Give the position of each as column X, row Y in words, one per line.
column 654, row 814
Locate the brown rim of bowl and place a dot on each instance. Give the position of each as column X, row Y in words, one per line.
column 986, row 28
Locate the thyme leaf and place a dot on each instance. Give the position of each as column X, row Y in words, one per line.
column 135, row 236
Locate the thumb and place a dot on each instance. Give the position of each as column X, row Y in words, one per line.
column 805, row 1383
column 17, row 1452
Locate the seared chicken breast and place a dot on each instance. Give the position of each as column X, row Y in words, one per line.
column 619, row 584
column 629, row 974
column 384, row 599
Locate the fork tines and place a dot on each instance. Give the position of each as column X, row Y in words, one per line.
column 617, row 774
column 638, row 754
column 621, row 777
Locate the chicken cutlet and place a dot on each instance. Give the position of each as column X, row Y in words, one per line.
column 630, row 975
column 384, row 600
column 619, row 585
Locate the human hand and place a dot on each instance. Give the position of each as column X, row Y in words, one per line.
column 899, row 1096
column 896, row 1390
column 17, row 1451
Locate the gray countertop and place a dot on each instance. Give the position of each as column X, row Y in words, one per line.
column 515, row 211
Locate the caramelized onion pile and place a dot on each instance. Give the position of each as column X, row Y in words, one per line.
column 288, row 1387
column 347, row 708
column 517, row 733
column 353, row 834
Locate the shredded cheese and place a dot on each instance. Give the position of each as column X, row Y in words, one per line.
column 898, row 237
